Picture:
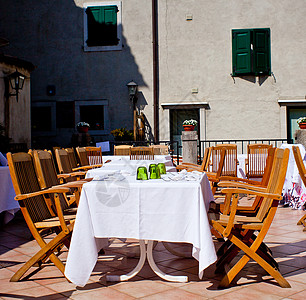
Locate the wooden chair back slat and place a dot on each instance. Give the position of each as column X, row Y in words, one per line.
column 72, row 157
column 141, row 153
column 82, row 154
column 122, row 150
column 25, row 181
column 94, row 155
column 230, row 161
column 160, row 149
column 256, row 160
column 63, row 161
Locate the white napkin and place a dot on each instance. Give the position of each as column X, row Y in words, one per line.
column 3, row 160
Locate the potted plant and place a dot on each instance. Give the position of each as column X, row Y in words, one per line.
column 189, row 125
column 302, row 122
column 122, row 134
column 82, row 127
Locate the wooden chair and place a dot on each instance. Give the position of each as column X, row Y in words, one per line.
column 141, row 153
column 47, row 178
column 88, row 157
column 193, row 167
column 94, row 155
column 256, row 160
column 160, row 149
column 38, row 214
column 302, row 171
column 230, row 161
column 240, row 230
column 73, row 160
column 246, row 183
column 122, row 150
column 64, row 164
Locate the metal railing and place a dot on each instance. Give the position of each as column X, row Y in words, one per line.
column 241, row 144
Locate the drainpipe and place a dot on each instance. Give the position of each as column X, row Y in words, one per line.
column 155, row 70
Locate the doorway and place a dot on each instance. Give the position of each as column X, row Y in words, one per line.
column 293, row 113
column 177, row 117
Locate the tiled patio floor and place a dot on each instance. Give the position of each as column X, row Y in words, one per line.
column 285, row 238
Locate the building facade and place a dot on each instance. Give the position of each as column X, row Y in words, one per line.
column 238, row 67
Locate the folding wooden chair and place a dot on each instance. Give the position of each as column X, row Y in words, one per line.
column 88, row 157
column 230, row 161
column 64, row 164
column 122, row 150
column 240, row 229
column 47, row 177
column 256, row 160
column 141, row 153
column 160, row 149
column 94, row 155
column 37, row 212
column 193, row 167
column 302, row 172
column 73, row 160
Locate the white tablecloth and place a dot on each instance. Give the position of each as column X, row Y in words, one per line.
column 173, row 211
column 7, row 194
column 294, row 191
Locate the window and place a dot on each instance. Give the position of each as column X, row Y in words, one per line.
column 94, row 112
column 65, row 114
column 43, row 118
column 102, row 26
column 251, row 52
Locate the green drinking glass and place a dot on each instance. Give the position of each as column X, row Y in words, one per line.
column 154, row 172
column 142, row 173
column 162, row 168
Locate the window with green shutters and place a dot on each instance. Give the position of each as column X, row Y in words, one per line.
column 102, row 26
column 251, row 52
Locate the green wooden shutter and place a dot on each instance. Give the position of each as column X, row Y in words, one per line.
column 261, row 51
column 241, row 51
column 102, row 25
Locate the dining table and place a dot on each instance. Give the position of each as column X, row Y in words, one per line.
column 8, row 205
column 117, row 205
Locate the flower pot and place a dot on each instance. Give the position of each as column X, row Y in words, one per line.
column 82, row 129
column 302, row 125
column 188, row 127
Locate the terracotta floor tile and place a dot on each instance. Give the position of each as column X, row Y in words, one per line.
column 141, row 288
column 299, row 276
column 299, row 296
column 174, row 294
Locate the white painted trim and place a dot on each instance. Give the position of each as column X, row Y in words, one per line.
column 106, row 129
column 291, row 101
column 119, row 27
column 184, row 104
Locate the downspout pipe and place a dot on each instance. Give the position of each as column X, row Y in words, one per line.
column 155, row 69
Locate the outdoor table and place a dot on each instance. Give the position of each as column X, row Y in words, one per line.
column 294, row 191
column 118, row 205
column 7, row 203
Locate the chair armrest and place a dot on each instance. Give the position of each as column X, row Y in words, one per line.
column 251, row 192
column 241, row 185
column 83, row 168
column 232, row 178
column 52, row 190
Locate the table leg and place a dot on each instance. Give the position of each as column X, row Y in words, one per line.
column 159, row 272
column 136, row 270
column 146, row 252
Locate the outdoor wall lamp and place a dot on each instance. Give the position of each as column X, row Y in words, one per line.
column 16, row 81
column 133, row 89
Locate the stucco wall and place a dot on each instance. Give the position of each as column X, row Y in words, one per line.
column 19, row 112
column 192, row 54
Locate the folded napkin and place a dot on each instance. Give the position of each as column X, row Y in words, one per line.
column 109, row 177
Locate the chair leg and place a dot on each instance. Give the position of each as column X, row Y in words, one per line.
column 250, row 253
column 302, row 221
column 47, row 250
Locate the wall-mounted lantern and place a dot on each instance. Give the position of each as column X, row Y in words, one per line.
column 133, row 89
column 16, row 81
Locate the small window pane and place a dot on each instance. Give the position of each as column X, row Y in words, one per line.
column 65, row 114
column 41, row 118
column 94, row 115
